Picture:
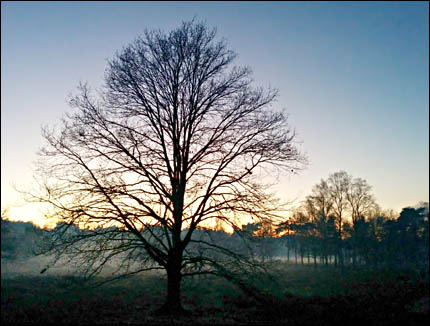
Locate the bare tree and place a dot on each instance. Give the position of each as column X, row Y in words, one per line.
column 338, row 185
column 341, row 196
column 361, row 202
column 319, row 206
column 176, row 139
column 360, row 199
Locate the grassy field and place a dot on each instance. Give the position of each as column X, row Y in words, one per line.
column 292, row 295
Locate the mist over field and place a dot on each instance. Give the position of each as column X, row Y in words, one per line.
column 30, row 265
column 20, row 244
column 33, row 265
column 21, row 241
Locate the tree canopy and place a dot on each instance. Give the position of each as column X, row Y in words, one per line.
column 176, row 139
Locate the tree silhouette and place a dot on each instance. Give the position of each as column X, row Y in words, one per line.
column 321, row 223
column 412, row 226
column 338, row 184
column 361, row 202
column 318, row 206
column 173, row 141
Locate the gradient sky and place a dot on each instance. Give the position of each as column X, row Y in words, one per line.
column 353, row 76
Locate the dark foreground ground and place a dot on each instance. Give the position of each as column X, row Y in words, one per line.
column 296, row 295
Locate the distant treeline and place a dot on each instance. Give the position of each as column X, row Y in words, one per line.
column 19, row 239
column 377, row 241
column 341, row 223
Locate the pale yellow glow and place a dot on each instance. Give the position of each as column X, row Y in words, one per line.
column 33, row 213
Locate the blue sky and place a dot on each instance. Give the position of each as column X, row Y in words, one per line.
column 353, row 76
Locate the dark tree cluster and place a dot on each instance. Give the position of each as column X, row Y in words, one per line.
column 18, row 239
column 340, row 223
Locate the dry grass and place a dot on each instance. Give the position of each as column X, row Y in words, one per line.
column 294, row 295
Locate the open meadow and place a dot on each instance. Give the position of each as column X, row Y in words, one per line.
column 291, row 295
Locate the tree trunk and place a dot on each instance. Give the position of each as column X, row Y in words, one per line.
column 173, row 305
column 341, row 257
column 354, row 257
column 173, row 302
column 295, row 252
